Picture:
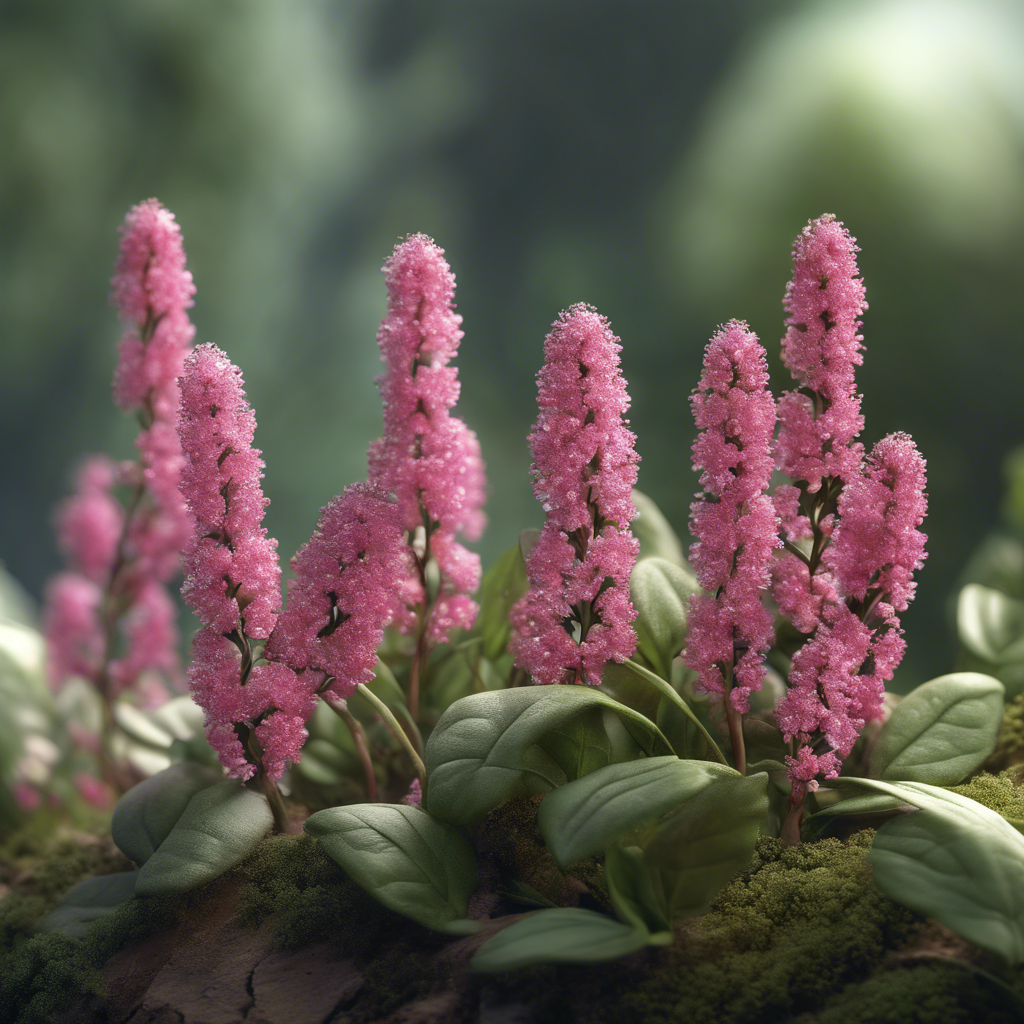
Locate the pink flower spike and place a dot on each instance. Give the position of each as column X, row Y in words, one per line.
column 72, row 628
column 427, row 458
column 89, row 523
column 877, row 545
column 735, row 524
column 583, row 452
column 345, row 589
column 231, row 568
column 821, row 348
column 577, row 615
column 152, row 290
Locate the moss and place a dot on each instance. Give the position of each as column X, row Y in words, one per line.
column 803, row 921
column 1001, row 793
column 931, row 993
column 48, row 974
column 1009, row 746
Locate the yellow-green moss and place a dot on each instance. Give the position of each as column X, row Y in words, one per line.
column 928, row 993
column 804, row 921
column 1009, row 746
column 1001, row 793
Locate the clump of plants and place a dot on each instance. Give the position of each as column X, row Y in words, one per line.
column 566, row 690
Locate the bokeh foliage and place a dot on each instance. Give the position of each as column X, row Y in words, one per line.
column 656, row 160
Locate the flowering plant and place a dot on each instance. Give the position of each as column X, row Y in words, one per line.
column 777, row 642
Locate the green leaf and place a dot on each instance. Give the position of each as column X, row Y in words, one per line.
column 140, row 727
column 660, row 591
column 89, row 901
column 412, row 863
column 145, row 815
column 503, row 584
column 631, row 886
column 668, row 692
column 385, row 686
column 490, row 747
column 991, row 625
column 219, row 828
column 708, row 840
column 567, row 935
column 585, row 817
column 652, row 529
column 941, row 731
column 956, row 861
column 871, row 810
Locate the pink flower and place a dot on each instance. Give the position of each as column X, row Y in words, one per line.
column 876, row 545
column 577, row 615
column 27, row 797
column 427, row 458
column 415, row 795
column 822, row 346
column 89, row 523
column 345, row 589
column 152, row 290
column 72, row 627
column 232, row 576
column 735, row 524
column 151, row 634
column 92, row 791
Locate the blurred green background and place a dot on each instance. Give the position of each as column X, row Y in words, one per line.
column 655, row 159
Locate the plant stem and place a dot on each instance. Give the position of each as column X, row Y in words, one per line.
column 340, row 708
column 735, row 720
column 396, row 730
column 276, row 801
column 790, row 832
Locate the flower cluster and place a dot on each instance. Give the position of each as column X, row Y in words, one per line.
column 120, row 560
column 577, row 614
column 347, row 578
column 733, row 520
column 825, row 298
column 429, row 459
column 232, row 577
column 850, row 523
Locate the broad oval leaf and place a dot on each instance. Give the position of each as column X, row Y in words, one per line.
column 990, row 624
column 700, row 847
column 489, row 747
column 145, row 815
column 660, row 591
column 89, row 901
column 941, row 731
column 956, row 861
column 412, row 863
column 584, row 817
column 566, row 935
column 219, row 828
column 652, row 529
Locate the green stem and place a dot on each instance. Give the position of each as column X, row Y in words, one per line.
column 340, row 708
column 735, row 721
column 396, row 730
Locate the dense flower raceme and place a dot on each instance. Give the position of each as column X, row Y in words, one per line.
column 733, row 520
column 153, row 292
column 232, row 576
column 820, row 420
column 345, row 590
column 577, row 615
column 124, row 558
column 837, row 680
column 429, row 459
